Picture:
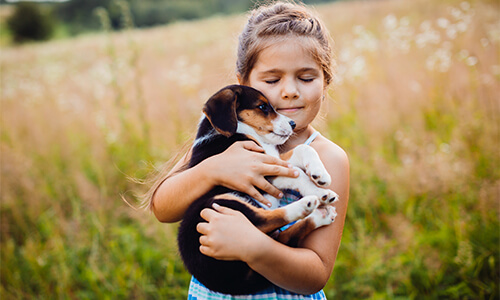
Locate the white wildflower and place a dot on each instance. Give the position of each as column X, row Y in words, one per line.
column 358, row 67
column 344, row 54
column 430, row 36
column 465, row 6
column 456, row 13
column 461, row 26
column 404, row 22
column 390, row 22
column 443, row 22
column 451, row 32
column 365, row 41
column 440, row 60
column 463, row 54
column 471, row 61
column 426, row 25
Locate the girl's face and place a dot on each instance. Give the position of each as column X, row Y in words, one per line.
column 287, row 74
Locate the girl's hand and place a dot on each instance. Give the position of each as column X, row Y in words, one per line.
column 227, row 234
column 243, row 167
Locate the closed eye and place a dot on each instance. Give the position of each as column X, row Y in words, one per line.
column 272, row 81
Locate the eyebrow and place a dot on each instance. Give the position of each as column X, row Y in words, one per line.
column 301, row 70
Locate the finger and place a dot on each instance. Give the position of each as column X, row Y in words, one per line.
column 255, row 194
column 268, row 159
column 275, row 170
column 222, row 209
column 252, row 146
column 205, row 250
column 202, row 228
column 204, row 240
column 267, row 187
column 207, row 214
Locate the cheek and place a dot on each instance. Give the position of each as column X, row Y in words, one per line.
column 265, row 89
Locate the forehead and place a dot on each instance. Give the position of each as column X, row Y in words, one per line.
column 287, row 55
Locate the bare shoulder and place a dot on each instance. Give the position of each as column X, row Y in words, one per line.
column 330, row 153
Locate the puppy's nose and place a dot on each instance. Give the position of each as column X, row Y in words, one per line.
column 292, row 123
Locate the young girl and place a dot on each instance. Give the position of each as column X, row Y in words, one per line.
column 284, row 52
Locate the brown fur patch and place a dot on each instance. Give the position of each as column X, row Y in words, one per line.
column 297, row 232
column 257, row 120
column 287, row 155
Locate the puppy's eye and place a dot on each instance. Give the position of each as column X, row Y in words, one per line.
column 263, row 107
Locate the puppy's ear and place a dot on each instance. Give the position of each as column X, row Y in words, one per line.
column 220, row 110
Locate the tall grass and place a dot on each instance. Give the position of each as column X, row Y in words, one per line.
column 415, row 105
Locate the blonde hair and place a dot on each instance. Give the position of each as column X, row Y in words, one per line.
column 278, row 21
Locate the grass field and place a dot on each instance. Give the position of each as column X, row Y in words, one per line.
column 416, row 105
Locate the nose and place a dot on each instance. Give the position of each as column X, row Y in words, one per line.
column 292, row 124
column 290, row 90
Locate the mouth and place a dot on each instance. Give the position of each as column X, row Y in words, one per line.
column 289, row 110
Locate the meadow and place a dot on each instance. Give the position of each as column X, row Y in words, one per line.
column 415, row 104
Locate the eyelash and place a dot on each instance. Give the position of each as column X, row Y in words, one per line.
column 302, row 79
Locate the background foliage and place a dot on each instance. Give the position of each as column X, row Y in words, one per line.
column 415, row 105
column 78, row 16
column 29, row 22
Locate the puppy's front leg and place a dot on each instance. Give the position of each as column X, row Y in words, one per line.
column 307, row 159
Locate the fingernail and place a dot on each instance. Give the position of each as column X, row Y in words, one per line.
column 290, row 166
column 280, row 196
column 296, row 173
column 269, row 204
column 215, row 205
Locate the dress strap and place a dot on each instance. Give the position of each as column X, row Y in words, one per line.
column 311, row 138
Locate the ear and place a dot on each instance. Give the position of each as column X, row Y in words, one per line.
column 220, row 110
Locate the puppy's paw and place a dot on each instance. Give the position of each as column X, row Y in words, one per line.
column 323, row 216
column 318, row 175
column 332, row 213
column 329, row 197
column 301, row 208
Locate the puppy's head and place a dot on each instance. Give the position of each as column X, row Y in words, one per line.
column 242, row 109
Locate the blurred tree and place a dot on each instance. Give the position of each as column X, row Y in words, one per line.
column 78, row 14
column 30, row 22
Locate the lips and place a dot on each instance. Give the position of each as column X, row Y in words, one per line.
column 289, row 109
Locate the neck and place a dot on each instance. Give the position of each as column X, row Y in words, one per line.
column 298, row 137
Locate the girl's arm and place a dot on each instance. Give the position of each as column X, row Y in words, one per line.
column 303, row 270
column 241, row 167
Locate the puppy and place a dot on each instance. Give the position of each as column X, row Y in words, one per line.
column 239, row 113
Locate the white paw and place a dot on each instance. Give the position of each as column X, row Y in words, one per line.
column 323, row 216
column 301, row 208
column 332, row 213
column 318, row 175
column 328, row 197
